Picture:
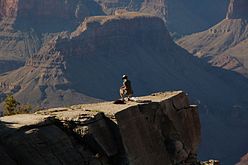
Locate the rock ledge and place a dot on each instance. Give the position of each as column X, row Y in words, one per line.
column 165, row 130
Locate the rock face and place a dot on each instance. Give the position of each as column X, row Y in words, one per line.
column 158, row 132
column 26, row 25
column 17, row 45
column 135, row 133
column 225, row 44
column 237, row 9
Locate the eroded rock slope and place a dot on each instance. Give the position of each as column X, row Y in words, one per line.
column 26, row 25
column 225, row 44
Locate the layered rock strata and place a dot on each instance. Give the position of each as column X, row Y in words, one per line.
column 26, row 24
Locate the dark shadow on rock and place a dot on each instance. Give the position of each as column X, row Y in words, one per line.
column 60, row 142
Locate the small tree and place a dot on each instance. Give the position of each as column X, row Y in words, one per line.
column 10, row 105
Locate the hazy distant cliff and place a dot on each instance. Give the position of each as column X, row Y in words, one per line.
column 225, row 44
column 237, row 9
column 26, row 24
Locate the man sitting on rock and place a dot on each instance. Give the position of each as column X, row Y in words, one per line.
column 126, row 88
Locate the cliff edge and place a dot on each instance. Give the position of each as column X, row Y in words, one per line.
column 162, row 128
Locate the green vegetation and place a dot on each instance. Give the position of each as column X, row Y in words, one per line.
column 12, row 107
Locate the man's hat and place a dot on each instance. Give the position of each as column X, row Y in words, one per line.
column 124, row 76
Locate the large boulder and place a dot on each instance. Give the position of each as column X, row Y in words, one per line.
column 160, row 132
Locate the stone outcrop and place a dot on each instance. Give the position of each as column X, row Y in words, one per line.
column 237, row 9
column 149, row 131
column 165, row 130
